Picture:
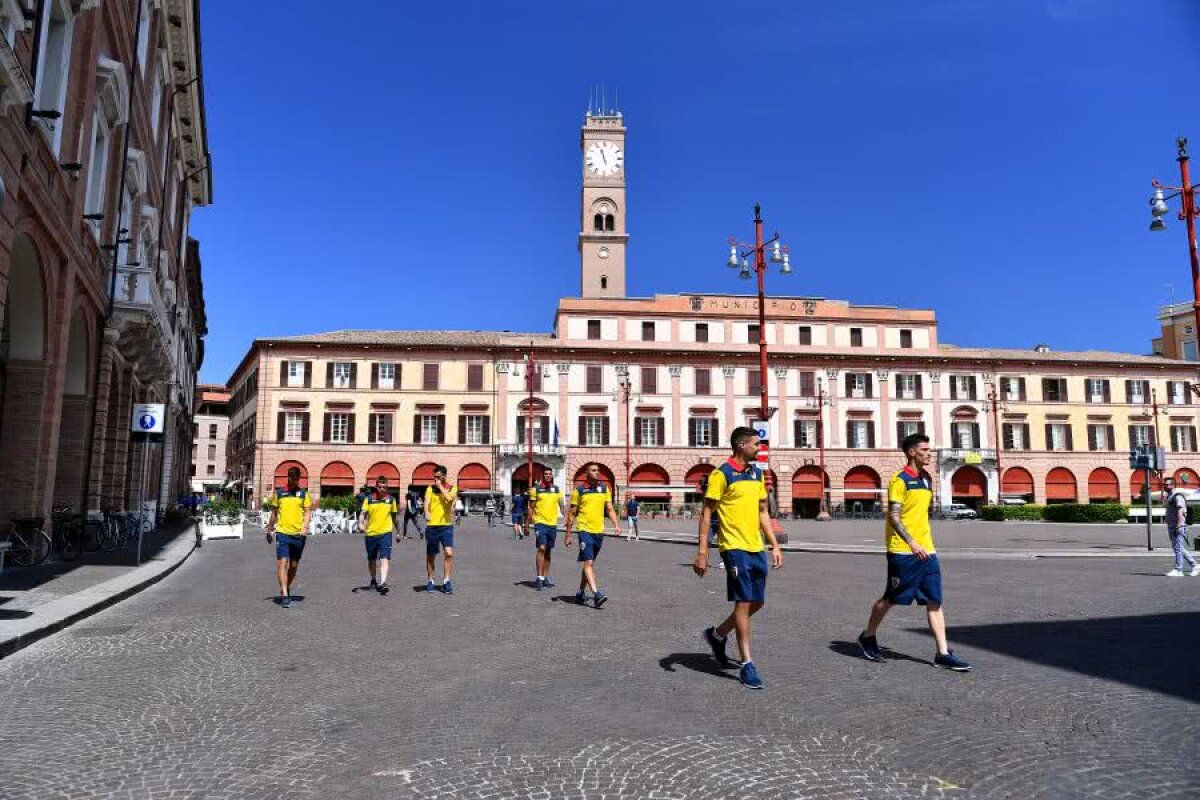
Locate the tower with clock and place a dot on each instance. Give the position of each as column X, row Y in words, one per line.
column 602, row 236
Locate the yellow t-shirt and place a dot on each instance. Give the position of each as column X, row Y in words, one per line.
column 379, row 514
column 738, row 492
column 546, row 504
column 591, row 503
column 289, row 510
column 439, row 508
column 913, row 492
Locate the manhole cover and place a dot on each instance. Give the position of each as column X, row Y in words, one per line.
column 105, row 630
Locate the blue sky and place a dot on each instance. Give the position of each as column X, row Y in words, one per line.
column 416, row 165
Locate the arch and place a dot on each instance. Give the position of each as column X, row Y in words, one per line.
column 1103, row 486
column 281, row 472
column 651, row 474
column 1061, row 486
column 807, row 482
column 25, row 314
column 964, row 412
column 1137, row 483
column 606, row 476
column 521, row 473
column 1186, row 478
column 536, row 403
column 337, row 474
column 75, row 376
column 384, row 469
column 696, row 475
column 969, row 484
column 1017, row 481
column 423, row 474
column 474, row 476
column 861, row 483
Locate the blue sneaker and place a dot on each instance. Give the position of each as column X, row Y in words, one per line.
column 285, row 601
column 580, row 597
column 537, row 583
column 600, row 599
column 431, row 587
column 869, row 646
column 549, row 584
column 718, row 647
column 448, row 587
column 749, row 676
column 951, row 662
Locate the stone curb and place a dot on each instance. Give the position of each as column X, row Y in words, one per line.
column 66, row 611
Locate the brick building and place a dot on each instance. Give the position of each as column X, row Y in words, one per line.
column 210, row 432
column 103, row 157
column 651, row 388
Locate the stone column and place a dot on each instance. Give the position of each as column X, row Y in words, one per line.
column 500, row 412
column 731, row 419
column 781, row 433
column 884, row 439
column 22, row 455
column 675, row 435
column 564, row 404
column 832, row 426
column 104, row 389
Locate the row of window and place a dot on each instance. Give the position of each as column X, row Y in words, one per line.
column 384, row 375
column 753, row 333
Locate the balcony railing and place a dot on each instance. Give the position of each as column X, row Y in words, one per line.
column 538, row 450
column 967, row 455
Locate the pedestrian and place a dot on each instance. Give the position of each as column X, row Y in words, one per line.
column 412, row 509
column 519, row 506
column 913, row 572
column 1177, row 528
column 439, row 529
column 291, row 510
column 631, row 517
column 590, row 504
column 489, row 511
column 377, row 518
column 459, row 510
column 546, row 506
column 737, row 496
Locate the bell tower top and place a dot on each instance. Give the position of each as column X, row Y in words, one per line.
column 602, row 233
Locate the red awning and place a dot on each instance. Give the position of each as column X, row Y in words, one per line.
column 281, row 474
column 806, row 483
column 1017, row 480
column 475, row 477
column 1103, row 484
column 423, row 474
column 383, row 469
column 968, row 482
column 337, row 473
column 861, row 483
column 1060, row 485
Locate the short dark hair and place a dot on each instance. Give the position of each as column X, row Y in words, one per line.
column 740, row 434
column 589, row 464
column 911, row 441
column 294, row 473
column 438, row 468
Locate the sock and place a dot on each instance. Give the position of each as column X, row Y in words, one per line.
column 541, row 577
column 718, row 635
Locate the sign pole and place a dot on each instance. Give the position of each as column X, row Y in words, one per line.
column 142, row 494
column 1149, row 508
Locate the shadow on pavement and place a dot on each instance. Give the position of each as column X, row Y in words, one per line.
column 526, row 584
column 296, row 598
column 1157, row 652
column 698, row 662
column 15, row 614
column 851, row 650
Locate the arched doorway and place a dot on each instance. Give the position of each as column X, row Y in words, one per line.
column 337, row 478
column 807, row 483
column 1103, row 486
column 650, row 475
column 1017, row 484
column 520, row 477
column 860, row 491
column 74, row 417
column 1137, row 485
column 1061, row 486
column 1186, row 478
column 968, row 486
column 474, row 477
column 388, row 470
column 695, row 478
column 282, row 470
column 422, row 477
column 23, row 377
column 606, row 477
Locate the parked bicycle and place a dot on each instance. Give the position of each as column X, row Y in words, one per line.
column 30, row 545
column 67, row 538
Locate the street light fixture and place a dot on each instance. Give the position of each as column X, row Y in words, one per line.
column 1189, row 212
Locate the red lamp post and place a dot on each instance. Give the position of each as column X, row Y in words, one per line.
column 1188, row 213
column 823, row 514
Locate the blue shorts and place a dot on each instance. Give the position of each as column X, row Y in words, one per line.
column 518, row 519
column 546, row 535
column 589, row 546
column 909, row 578
column 437, row 537
column 379, row 545
column 745, row 576
column 289, row 546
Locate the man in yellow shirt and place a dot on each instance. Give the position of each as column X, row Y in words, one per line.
column 377, row 518
column 737, row 495
column 439, row 529
column 590, row 504
column 291, row 509
column 545, row 507
column 913, row 572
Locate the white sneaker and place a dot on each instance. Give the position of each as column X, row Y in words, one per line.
column 1175, row 573
column 1195, row 569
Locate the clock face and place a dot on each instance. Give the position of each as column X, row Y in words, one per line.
column 604, row 158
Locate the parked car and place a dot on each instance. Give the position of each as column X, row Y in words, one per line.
column 961, row 511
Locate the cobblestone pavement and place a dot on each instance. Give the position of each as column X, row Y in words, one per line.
column 1085, row 684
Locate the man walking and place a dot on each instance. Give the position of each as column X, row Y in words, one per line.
column 439, row 529
column 412, row 508
column 545, row 507
column 590, row 504
column 291, row 510
column 519, row 508
column 1177, row 526
column 913, row 572
column 737, row 496
column 489, row 511
column 632, row 506
column 377, row 518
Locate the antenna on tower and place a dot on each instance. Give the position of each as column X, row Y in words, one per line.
column 591, row 97
column 603, row 100
column 617, row 101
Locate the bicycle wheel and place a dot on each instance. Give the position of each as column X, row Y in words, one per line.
column 30, row 546
column 70, row 546
column 108, row 535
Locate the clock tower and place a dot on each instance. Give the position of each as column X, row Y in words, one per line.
column 602, row 236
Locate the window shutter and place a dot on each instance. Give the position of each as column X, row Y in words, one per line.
column 1006, row 435
column 416, row 429
column 716, row 432
column 372, row 426
column 520, row 429
column 396, row 377
column 1025, row 431
column 971, row 388
column 350, row 427
column 953, row 387
column 1128, row 391
column 304, row 427
column 920, row 391
column 921, row 427
column 545, row 430
column 637, row 431
column 283, row 373
column 1112, row 440
column 1049, row 436
column 1107, row 391
column 307, row 374
column 806, row 384
column 326, row 427
column 487, row 430
column 353, row 375
column 849, row 384
column 385, row 429
column 1021, row 388
column 582, row 440
column 870, row 385
column 662, row 431
column 604, row 431
column 374, row 376
column 1092, row 444
column 849, row 433
column 1132, row 438
column 871, row 434
column 328, row 374
column 441, row 432
column 975, row 435
column 692, row 433
column 280, row 425
column 1070, row 438
column 1192, row 443
column 899, row 433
